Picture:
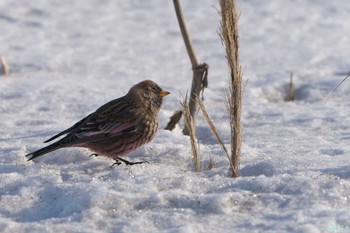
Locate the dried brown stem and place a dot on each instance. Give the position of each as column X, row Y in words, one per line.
column 214, row 130
column 200, row 71
column 192, row 133
column 5, row 66
column 185, row 35
column 291, row 95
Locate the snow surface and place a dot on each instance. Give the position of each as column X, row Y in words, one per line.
column 69, row 57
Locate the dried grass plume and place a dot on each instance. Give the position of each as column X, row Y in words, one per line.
column 229, row 37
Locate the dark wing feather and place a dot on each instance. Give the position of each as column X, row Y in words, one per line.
column 110, row 120
column 75, row 126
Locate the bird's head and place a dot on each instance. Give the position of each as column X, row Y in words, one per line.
column 148, row 93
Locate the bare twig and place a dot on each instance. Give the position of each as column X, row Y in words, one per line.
column 229, row 37
column 185, row 34
column 347, row 76
column 174, row 119
column 192, row 133
column 5, row 66
column 200, row 71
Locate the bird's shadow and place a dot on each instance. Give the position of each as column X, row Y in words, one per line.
column 64, row 157
column 85, row 160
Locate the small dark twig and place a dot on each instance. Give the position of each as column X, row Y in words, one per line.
column 347, row 76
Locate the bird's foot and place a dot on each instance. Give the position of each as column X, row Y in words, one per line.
column 94, row 154
column 119, row 160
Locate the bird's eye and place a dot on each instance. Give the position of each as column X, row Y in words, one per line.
column 152, row 89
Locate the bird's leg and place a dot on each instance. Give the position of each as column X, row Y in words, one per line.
column 128, row 162
column 94, row 154
column 117, row 162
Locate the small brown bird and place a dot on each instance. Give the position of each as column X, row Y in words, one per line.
column 117, row 127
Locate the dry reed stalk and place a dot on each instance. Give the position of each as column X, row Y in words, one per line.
column 291, row 95
column 229, row 37
column 200, row 71
column 214, row 130
column 5, row 66
column 192, row 133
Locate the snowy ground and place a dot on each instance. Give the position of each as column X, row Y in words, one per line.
column 69, row 57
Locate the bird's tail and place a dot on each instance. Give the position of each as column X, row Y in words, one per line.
column 45, row 150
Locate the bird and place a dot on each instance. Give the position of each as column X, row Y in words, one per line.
column 117, row 127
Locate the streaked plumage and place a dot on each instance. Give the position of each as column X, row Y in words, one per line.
column 116, row 128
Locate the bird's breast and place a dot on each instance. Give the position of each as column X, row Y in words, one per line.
column 148, row 127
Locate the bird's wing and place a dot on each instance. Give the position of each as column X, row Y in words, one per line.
column 110, row 120
column 102, row 115
column 74, row 127
column 92, row 133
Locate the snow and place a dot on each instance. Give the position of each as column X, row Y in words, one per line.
column 69, row 57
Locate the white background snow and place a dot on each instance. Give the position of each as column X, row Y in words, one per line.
column 69, row 57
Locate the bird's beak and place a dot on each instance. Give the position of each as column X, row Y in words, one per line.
column 164, row 93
